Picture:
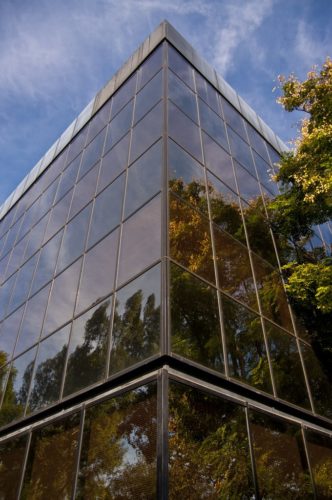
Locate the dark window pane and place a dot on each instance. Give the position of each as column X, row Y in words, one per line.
column 241, row 151
column 190, row 240
column 218, row 161
column 246, row 352
column 119, row 126
column 144, row 179
column 32, row 320
column 17, row 388
column 51, row 461
column 181, row 67
column 184, row 131
column 99, row 121
column 107, row 210
column 320, row 459
column 208, row 447
column 186, row 177
column 58, row 216
column 141, row 240
column 36, row 237
column 212, row 124
column 148, row 96
column 234, row 270
column 136, row 326
column 118, row 458
column 67, row 179
column 12, row 455
column 182, row 96
column 248, row 185
column 146, row 132
column 84, row 191
column 46, row 263
column 62, row 298
column 92, row 153
column 207, row 92
column 77, row 144
column 286, row 366
column 23, row 283
column 98, row 272
column 281, row 464
column 88, row 348
column 8, row 333
column 233, row 118
column 271, row 293
column 49, row 365
column 150, row 67
column 195, row 320
column 114, row 162
column 123, row 95
column 74, row 238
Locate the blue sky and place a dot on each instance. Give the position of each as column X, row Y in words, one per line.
column 56, row 54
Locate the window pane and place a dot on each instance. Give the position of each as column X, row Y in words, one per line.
column 58, row 216
column 119, row 126
column 241, row 151
column 77, row 144
column 12, row 455
column 212, row 124
column 281, row 464
column 248, row 185
column 148, row 96
column 182, row 96
column 218, row 161
column 141, row 240
column 98, row 273
column 48, row 197
column 99, row 121
column 265, row 174
column 62, row 298
column 233, row 117
column 5, row 293
column 146, row 132
column 68, row 179
column 17, row 388
column 88, row 348
column 208, row 447
column 84, row 191
column 32, row 320
column 106, row 211
column 186, row 177
column 195, row 320
column 16, row 257
column 136, row 326
column 92, row 153
column 144, row 179
column 207, row 92
column 257, row 142
column 234, row 270
column 286, row 366
column 36, row 237
column 246, row 352
column 320, row 458
column 184, row 131
column 123, row 95
column 118, row 458
column 114, row 162
column 190, row 240
column 23, row 283
column 8, row 333
column 46, row 263
column 74, row 238
column 51, row 461
column 181, row 67
column 50, row 361
column 150, row 67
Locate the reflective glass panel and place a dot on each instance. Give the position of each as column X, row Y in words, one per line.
column 246, row 352
column 257, row 142
column 136, row 325
column 119, row 126
column 8, row 333
column 51, row 461
column 77, row 144
column 12, row 455
column 146, row 132
column 148, row 96
column 241, row 151
column 207, row 92
column 84, row 191
column 67, row 180
column 141, row 240
column 98, row 272
column 23, row 283
column 123, row 95
column 186, row 177
column 181, row 67
column 58, row 216
column 106, row 211
column 92, row 153
column 218, row 161
column 49, row 365
column 208, row 448
column 320, row 459
column 182, row 96
column 286, row 366
column 144, row 179
column 281, row 464
column 189, row 239
column 233, row 117
column 16, row 257
column 195, row 322
column 265, row 173
column 46, row 263
column 150, row 67
column 36, row 237
column 248, row 185
column 212, row 124
column 5, row 293
column 184, row 131
column 99, row 121
column 62, row 298
column 113, row 163
column 48, row 197
column 118, row 458
column 88, row 348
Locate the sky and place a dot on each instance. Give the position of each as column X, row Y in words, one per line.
column 56, row 54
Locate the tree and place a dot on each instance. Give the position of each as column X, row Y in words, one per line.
column 305, row 175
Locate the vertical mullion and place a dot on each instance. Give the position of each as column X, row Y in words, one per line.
column 78, row 454
column 162, row 437
column 308, row 461
column 252, row 456
column 24, row 465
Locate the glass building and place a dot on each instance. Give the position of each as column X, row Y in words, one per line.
column 147, row 346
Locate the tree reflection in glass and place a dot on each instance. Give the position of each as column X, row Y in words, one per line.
column 320, row 458
column 118, row 458
column 136, row 326
column 208, row 447
column 11, row 462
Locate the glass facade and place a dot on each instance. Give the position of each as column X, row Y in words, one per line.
column 147, row 347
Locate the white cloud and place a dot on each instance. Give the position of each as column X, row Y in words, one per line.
column 309, row 48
